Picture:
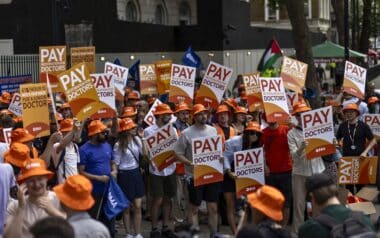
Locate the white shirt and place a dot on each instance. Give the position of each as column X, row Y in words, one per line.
column 152, row 168
column 71, row 158
column 3, row 148
column 129, row 159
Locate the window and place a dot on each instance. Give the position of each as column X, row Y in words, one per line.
column 271, row 13
column 160, row 15
column 307, row 8
column 184, row 14
column 131, row 11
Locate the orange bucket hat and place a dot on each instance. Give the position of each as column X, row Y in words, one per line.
column 182, row 107
column 269, row 201
column 372, row 100
column 21, row 135
column 240, row 109
column 222, row 108
column 6, row 111
column 352, row 106
column 5, row 97
column 198, row 108
column 33, row 167
column 66, row 125
column 95, row 127
column 162, row 109
column 126, row 124
column 253, row 126
column 300, row 107
column 17, row 154
column 231, row 102
column 75, row 193
column 133, row 95
column 129, row 112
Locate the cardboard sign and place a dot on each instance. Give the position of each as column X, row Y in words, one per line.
column 292, row 98
column 373, row 121
column 11, row 84
column 253, row 90
column 121, row 78
column 214, row 83
column 105, row 86
column 274, row 98
column 207, row 152
column 293, row 72
column 148, row 79
column 52, row 61
column 150, row 119
column 83, row 55
column 7, row 132
column 354, row 80
column 249, row 169
column 163, row 73
column 354, row 170
column 318, row 131
column 182, row 83
column 161, row 146
column 80, row 91
column 15, row 106
column 35, row 111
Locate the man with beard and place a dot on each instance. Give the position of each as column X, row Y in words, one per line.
column 96, row 163
column 208, row 192
column 162, row 183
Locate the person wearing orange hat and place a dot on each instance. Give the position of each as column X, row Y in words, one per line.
column 373, row 105
column 129, row 112
column 5, row 100
column 97, row 164
column 128, row 153
column 76, row 199
column 209, row 192
column 223, row 116
column 34, row 202
column 182, row 112
column 250, row 139
column 17, row 155
column 266, row 208
column 240, row 118
column 132, row 98
column 302, row 167
column 231, row 103
column 65, row 153
column 162, row 183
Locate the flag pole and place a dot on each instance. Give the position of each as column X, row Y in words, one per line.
column 52, row 99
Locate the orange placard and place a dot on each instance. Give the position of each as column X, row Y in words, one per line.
column 182, row 84
column 52, row 61
column 163, row 73
column 35, row 111
column 148, row 79
column 356, row 170
column 105, row 86
column 252, row 88
column 80, row 91
column 354, row 79
column 207, row 152
column 293, row 72
column 83, row 55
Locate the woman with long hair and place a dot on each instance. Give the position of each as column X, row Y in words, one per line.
column 127, row 153
column 250, row 139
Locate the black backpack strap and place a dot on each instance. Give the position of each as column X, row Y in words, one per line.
column 327, row 220
column 60, row 161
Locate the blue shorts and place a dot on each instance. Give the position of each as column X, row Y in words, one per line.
column 131, row 182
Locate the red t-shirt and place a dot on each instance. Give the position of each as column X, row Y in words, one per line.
column 276, row 149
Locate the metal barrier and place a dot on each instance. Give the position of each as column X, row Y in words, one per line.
column 13, row 65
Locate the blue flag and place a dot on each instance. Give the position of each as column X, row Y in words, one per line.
column 135, row 74
column 117, row 62
column 190, row 58
column 116, row 202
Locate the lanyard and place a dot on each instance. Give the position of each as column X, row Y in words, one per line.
column 352, row 138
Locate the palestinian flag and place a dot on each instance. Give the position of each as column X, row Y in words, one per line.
column 270, row 56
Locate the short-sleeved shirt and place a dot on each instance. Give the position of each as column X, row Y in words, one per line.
column 359, row 132
column 32, row 213
column 3, row 148
column 71, row 161
column 86, row 227
column 97, row 160
column 7, row 181
column 129, row 158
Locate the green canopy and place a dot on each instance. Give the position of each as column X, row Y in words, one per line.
column 330, row 50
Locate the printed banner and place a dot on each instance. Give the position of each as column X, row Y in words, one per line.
column 161, row 146
column 274, row 98
column 163, row 73
column 11, row 84
column 7, row 132
column 15, row 106
column 52, row 61
column 293, row 72
column 121, row 78
column 373, row 121
column 249, row 169
column 150, row 119
column 292, row 98
column 354, row 79
column 207, row 152
column 105, row 86
column 83, row 55
column 35, row 110
column 318, row 131
column 253, row 90
column 182, row 84
column 214, row 83
column 148, row 79
column 80, row 91
column 354, row 170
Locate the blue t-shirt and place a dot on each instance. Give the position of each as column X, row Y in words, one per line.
column 97, row 161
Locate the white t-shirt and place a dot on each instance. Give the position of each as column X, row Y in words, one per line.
column 71, row 161
column 32, row 213
column 3, row 148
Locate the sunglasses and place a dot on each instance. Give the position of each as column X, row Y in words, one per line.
column 252, row 133
column 104, row 133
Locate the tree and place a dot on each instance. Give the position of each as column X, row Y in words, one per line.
column 338, row 8
column 366, row 26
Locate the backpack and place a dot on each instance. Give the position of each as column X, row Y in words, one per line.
column 351, row 227
column 267, row 229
